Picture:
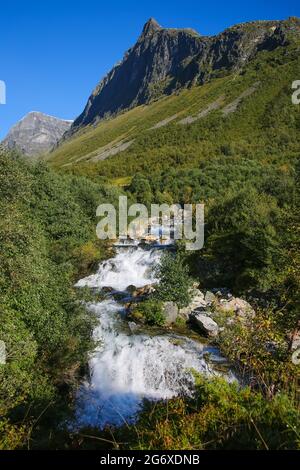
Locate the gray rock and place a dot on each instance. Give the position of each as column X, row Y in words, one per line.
column 210, row 298
column 111, row 149
column 36, row 134
column 170, row 312
column 232, row 107
column 211, row 107
column 206, row 324
column 185, row 312
column 197, row 302
column 131, row 289
column 133, row 326
column 202, row 309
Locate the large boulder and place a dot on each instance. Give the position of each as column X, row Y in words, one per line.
column 196, row 303
column 170, row 312
column 206, row 324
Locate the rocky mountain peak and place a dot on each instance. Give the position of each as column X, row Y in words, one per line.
column 164, row 60
column 36, row 133
column 151, row 27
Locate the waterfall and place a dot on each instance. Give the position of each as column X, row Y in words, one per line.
column 126, row 369
column 131, row 266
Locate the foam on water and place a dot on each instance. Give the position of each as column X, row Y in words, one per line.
column 125, row 369
column 131, row 266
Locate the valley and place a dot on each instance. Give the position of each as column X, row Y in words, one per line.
column 143, row 345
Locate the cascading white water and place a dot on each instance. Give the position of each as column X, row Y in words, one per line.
column 128, row 368
column 131, row 266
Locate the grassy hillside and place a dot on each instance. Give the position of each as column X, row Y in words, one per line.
column 232, row 144
column 233, row 141
column 261, row 126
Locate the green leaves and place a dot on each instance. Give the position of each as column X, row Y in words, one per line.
column 47, row 221
column 174, row 280
column 152, row 311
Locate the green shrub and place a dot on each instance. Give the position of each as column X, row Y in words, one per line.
column 152, row 311
column 174, row 281
column 221, row 416
column 47, row 235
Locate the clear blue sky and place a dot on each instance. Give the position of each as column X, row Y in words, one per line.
column 53, row 53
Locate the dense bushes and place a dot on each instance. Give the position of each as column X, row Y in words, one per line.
column 46, row 225
column 174, row 281
column 249, row 207
column 243, row 237
column 222, row 416
column 150, row 311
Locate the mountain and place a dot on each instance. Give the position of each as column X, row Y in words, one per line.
column 165, row 60
column 245, row 111
column 36, row 133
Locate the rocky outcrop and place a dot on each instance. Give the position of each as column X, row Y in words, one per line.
column 205, row 324
column 170, row 312
column 35, row 134
column 141, row 291
column 196, row 303
column 165, row 60
column 206, row 309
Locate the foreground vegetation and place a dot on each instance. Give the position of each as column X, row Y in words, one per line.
column 47, row 238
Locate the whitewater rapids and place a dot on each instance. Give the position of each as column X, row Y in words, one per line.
column 128, row 368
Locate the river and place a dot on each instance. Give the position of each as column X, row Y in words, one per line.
column 127, row 368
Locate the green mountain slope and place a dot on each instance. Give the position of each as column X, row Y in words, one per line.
column 248, row 114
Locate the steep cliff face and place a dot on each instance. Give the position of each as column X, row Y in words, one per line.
column 36, row 133
column 145, row 71
column 164, row 60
